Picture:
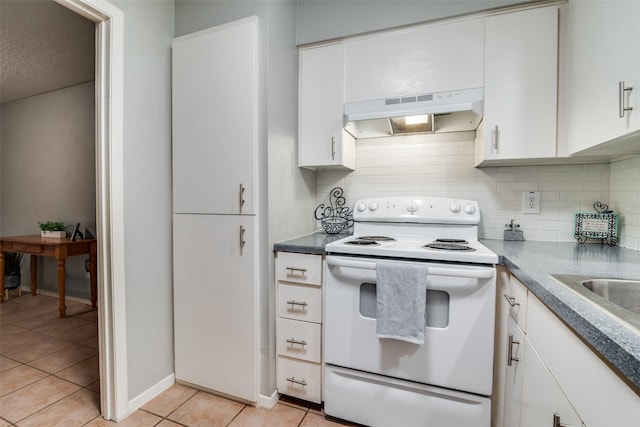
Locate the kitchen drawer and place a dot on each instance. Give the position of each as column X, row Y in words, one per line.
column 299, row 268
column 31, row 248
column 299, row 379
column 301, row 340
column 300, row 302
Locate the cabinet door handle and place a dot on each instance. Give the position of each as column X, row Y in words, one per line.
column 295, row 381
column 494, row 138
column 511, row 300
column 510, row 358
column 333, row 148
column 295, row 341
column 294, row 302
column 557, row 423
column 241, row 193
column 242, row 241
column 621, row 103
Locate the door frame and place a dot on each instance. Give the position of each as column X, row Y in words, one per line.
column 109, row 95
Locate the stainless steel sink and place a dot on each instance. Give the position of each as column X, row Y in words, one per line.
column 619, row 297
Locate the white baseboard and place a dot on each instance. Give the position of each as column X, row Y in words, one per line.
column 268, row 402
column 152, row 392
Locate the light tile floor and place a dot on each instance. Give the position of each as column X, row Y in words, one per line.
column 49, row 376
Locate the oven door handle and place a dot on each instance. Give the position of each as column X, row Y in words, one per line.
column 485, row 273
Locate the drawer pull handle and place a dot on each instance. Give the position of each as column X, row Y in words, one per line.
column 294, row 269
column 295, row 341
column 511, row 300
column 622, row 90
column 510, row 357
column 293, row 302
column 295, row 381
column 557, row 423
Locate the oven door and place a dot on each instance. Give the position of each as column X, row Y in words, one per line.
column 459, row 325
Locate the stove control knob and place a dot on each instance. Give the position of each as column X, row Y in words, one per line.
column 373, row 206
column 470, row 209
column 361, row 206
column 412, row 206
column 455, row 207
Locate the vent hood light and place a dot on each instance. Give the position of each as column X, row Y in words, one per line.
column 438, row 112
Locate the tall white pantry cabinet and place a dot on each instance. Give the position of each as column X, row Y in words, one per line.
column 215, row 134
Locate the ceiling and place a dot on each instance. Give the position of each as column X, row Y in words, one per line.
column 43, row 47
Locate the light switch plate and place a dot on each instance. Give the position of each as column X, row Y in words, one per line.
column 531, row 202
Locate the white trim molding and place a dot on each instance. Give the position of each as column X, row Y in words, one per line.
column 110, row 202
column 152, row 392
column 268, row 402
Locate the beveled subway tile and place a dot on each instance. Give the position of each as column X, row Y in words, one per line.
column 279, row 416
column 64, row 358
column 137, row 419
column 43, row 347
column 169, row 400
column 83, row 373
column 6, row 363
column 77, row 409
column 206, row 410
column 30, row 399
column 18, row 377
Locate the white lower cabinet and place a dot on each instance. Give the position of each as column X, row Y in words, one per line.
column 543, row 402
column 299, row 325
column 545, row 376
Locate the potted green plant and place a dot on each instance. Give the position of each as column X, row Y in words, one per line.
column 12, row 267
column 53, row 229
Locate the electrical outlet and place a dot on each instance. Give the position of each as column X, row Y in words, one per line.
column 531, row 202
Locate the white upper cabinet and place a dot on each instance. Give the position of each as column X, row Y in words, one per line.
column 215, row 120
column 600, row 47
column 423, row 60
column 520, row 86
column 322, row 141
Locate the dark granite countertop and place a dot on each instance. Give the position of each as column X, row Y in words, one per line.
column 309, row 244
column 533, row 263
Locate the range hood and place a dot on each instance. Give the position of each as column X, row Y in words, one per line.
column 438, row 112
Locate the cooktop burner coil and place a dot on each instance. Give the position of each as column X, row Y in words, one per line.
column 448, row 247
column 461, row 241
column 377, row 238
column 362, row 242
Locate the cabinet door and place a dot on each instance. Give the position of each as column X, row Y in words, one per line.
column 434, row 58
column 215, row 310
column 599, row 49
column 215, row 119
column 541, row 395
column 322, row 141
column 521, row 77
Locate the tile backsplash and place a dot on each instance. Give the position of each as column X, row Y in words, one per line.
column 442, row 165
column 625, row 199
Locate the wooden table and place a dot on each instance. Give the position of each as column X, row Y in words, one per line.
column 60, row 249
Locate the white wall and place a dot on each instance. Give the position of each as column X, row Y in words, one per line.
column 147, row 192
column 320, row 20
column 625, row 199
column 48, row 173
column 442, row 165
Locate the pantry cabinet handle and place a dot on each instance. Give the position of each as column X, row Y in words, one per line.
column 242, row 241
column 494, row 138
column 557, row 423
column 293, row 302
column 510, row 357
column 333, row 148
column 294, row 341
column 241, row 201
column 621, row 93
column 295, row 381
column 511, row 300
